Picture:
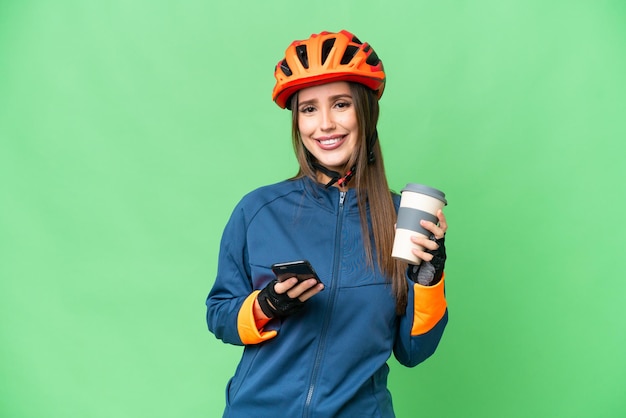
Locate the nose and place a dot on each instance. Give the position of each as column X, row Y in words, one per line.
column 327, row 121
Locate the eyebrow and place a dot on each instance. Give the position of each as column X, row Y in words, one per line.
column 332, row 98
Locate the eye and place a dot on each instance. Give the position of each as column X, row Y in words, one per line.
column 307, row 109
column 343, row 104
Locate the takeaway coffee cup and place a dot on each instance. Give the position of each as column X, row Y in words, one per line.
column 417, row 202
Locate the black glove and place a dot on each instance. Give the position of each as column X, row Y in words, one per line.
column 430, row 273
column 276, row 305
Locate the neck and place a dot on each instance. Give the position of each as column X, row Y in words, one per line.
column 334, row 178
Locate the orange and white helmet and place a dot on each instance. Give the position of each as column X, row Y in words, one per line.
column 324, row 58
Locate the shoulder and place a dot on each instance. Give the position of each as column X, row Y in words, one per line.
column 270, row 192
column 258, row 198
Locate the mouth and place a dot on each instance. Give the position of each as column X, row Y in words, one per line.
column 331, row 142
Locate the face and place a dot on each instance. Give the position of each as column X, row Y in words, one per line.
column 328, row 124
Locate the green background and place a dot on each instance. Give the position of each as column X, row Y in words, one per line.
column 130, row 129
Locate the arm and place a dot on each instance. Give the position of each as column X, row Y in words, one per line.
column 236, row 312
column 232, row 300
column 422, row 326
column 426, row 315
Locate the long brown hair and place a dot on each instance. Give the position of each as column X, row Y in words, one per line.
column 371, row 185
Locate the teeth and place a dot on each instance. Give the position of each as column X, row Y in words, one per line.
column 330, row 141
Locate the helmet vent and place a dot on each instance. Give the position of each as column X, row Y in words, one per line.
column 284, row 67
column 356, row 40
column 349, row 54
column 302, row 55
column 327, row 46
column 372, row 59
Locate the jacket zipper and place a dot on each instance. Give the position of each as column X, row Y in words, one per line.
column 329, row 309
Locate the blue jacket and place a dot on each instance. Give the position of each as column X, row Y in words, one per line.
column 329, row 359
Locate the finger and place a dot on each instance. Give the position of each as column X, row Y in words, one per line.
column 423, row 255
column 436, row 230
column 311, row 292
column 300, row 288
column 443, row 223
column 285, row 285
column 424, row 242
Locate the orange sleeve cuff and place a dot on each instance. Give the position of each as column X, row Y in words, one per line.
column 429, row 306
column 251, row 330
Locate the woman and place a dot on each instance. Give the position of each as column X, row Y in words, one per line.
column 320, row 349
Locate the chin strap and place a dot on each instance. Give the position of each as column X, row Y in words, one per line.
column 345, row 179
column 335, row 177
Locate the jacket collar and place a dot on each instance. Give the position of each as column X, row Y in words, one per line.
column 329, row 199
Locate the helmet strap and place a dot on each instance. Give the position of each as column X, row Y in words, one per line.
column 370, row 147
column 347, row 177
column 334, row 176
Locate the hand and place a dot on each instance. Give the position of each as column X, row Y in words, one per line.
column 430, row 245
column 281, row 299
column 434, row 254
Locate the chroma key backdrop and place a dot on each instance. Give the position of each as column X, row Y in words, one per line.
column 130, row 129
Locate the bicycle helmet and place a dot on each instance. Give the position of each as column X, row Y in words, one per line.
column 323, row 58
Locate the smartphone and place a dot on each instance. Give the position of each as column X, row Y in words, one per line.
column 300, row 269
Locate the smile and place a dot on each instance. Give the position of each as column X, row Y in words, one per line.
column 327, row 143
